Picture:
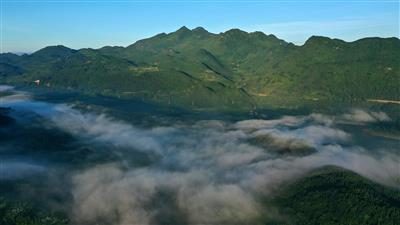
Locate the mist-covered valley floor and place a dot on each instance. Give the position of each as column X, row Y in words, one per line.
column 131, row 163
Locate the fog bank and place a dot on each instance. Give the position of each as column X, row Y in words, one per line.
column 206, row 172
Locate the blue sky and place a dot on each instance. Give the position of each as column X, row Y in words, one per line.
column 28, row 25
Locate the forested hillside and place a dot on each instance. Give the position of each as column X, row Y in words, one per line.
column 231, row 70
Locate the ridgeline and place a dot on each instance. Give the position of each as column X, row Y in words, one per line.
column 234, row 70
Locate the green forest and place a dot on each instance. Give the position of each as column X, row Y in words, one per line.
column 233, row 70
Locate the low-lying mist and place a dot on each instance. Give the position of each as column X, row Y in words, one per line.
column 203, row 172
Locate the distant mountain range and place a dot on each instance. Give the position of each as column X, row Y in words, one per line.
column 234, row 70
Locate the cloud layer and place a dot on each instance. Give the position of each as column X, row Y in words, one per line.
column 207, row 172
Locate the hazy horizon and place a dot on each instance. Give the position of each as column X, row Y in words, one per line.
column 298, row 44
column 27, row 26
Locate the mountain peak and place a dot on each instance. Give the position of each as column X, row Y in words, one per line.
column 321, row 40
column 317, row 40
column 199, row 29
column 57, row 51
column 235, row 31
column 54, row 49
column 183, row 29
column 201, row 32
column 181, row 32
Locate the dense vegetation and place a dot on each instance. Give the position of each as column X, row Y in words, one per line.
column 18, row 213
column 337, row 196
column 231, row 70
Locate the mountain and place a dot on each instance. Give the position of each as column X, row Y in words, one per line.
column 233, row 70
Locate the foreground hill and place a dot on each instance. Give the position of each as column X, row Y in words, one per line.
column 332, row 195
column 231, row 70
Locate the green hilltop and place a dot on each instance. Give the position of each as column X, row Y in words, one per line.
column 333, row 195
column 233, row 70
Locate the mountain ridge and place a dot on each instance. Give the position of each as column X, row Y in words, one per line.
column 199, row 28
column 234, row 69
